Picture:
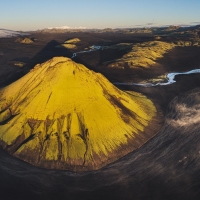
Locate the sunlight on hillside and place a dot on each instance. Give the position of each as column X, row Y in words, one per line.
column 63, row 111
column 141, row 54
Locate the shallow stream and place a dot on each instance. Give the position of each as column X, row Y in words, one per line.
column 92, row 48
column 167, row 80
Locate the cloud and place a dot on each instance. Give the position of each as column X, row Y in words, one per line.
column 194, row 23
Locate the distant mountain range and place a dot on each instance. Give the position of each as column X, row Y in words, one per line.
column 67, row 27
column 10, row 33
column 193, row 29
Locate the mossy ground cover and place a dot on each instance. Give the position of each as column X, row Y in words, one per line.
column 62, row 115
column 141, row 54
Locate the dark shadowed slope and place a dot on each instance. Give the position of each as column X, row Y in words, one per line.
column 63, row 116
column 167, row 167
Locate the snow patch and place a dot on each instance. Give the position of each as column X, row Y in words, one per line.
column 10, row 33
column 67, row 27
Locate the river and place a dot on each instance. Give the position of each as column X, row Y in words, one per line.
column 170, row 77
column 92, row 48
column 166, row 167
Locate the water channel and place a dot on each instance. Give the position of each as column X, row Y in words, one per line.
column 169, row 79
column 166, row 81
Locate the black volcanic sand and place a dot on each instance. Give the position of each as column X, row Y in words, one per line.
column 44, row 49
column 166, row 167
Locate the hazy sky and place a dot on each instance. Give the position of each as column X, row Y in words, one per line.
column 39, row 14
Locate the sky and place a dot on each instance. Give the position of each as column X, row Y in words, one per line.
column 27, row 15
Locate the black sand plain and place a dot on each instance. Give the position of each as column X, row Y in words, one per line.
column 166, row 167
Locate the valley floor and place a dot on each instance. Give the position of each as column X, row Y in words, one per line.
column 166, row 167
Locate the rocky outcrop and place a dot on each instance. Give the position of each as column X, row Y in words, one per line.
column 181, row 43
column 172, row 28
column 26, row 41
column 144, row 55
column 69, row 44
column 72, row 41
column 63, row 116
column 140, row 55
column 18, row 39
column 17, row 63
